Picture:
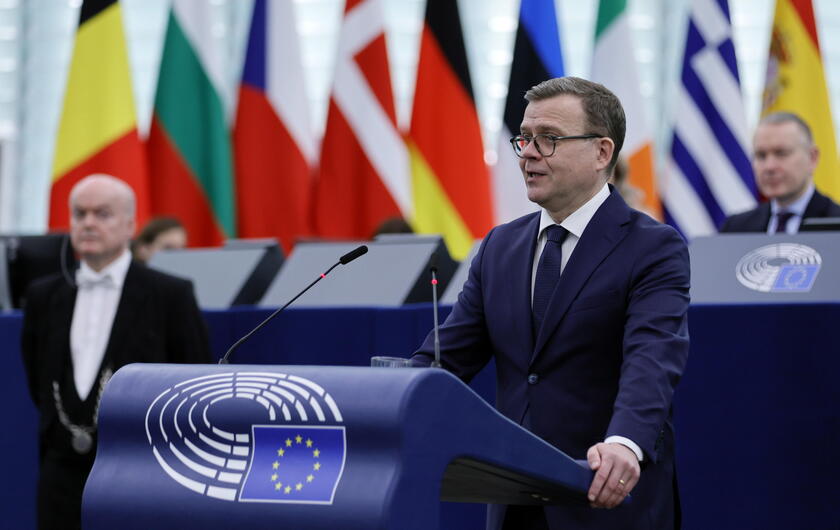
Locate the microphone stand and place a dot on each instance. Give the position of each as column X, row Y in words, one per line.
column 345, row 259
column 436, row 362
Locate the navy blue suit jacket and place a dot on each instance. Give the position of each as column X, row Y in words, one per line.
column 606, row 360
column 757, row 219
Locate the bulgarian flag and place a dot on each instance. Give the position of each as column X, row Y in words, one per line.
column 450, row 179
column 614, row 66
column 274, row 147
column 98, row 129
column 364, row 174
column 189, row 143
column 796, row 83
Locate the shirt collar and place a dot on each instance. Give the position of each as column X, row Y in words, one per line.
column 798, row 206
column 116, row 270
column 577, row 221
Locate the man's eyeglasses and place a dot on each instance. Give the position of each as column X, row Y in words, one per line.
column 545, row 143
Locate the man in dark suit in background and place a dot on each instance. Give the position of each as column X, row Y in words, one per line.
column 78, row 330
column 583, row 307
column 784, row 159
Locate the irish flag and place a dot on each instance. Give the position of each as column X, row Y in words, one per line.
column 451, row 181
column 98, row 129
column 189, row 143
column 796, row 83
column 614, row 66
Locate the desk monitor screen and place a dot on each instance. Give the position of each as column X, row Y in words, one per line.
column 820, row 224
column 32, row 257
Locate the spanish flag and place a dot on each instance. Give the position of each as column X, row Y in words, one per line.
column 796, row 83
column 450, row 180
column 98, row 128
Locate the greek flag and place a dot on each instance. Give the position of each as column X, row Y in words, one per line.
column 708, row 171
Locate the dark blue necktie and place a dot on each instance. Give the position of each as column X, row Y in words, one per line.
column 548, row 272
column 782, row 219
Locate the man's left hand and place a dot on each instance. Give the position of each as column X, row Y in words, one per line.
column 616, row 474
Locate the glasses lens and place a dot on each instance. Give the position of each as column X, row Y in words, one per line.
column 519, row 143
column 545, row 145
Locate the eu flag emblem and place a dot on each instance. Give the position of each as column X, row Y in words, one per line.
column 796, row 278
column 294, row 464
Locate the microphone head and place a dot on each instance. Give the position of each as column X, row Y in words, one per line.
column 433, row 262
column 353, row 254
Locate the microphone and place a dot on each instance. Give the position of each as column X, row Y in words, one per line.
column 433, row 270
column 343, row 260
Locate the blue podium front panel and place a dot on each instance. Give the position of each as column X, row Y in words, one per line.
column 299, row 447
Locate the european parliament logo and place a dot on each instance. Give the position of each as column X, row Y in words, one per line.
column 250, row 437
column 779, row 268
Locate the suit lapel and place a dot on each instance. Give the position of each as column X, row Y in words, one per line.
column 65, row 302
column 817, row 206
column 762, row 220
column 521, row 254
column 605, row 230
column 128, row 313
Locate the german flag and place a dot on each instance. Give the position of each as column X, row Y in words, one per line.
column 450, row 181
column 795, row 82
column 98, row 129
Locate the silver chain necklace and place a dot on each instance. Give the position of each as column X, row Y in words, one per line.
column 82, row 434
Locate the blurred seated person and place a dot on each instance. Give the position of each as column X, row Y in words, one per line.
column 160, row 233
column 393, row 225
column 784, row 160
column 633, row 196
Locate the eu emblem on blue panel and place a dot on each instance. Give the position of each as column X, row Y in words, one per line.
column 796, row 278
column 294, row 464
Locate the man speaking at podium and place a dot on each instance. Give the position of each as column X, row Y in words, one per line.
column 78, row 330
column 583, row 307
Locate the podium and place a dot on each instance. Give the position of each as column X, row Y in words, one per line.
column 254, row 446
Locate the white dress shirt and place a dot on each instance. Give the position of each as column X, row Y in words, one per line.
column 97, row 298
column 575, row 224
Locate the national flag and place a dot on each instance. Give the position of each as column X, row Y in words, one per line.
column 614, row 66
column 189, row 142
column 450, row 179
column 795, row 83
column 274, row 147
column 708, row 172
column 536, row 57
column 98, row 128
column 364, row 173
column 295, row 464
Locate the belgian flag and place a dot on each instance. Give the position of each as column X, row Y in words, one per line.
column 450, row 180
column 98, row 129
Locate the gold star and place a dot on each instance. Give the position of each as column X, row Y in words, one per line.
column 275, row 465
column 308, row 442
column 316, row 453
column 287, row 489
column 288, row 442
column 278, row 486
column 310, row 478
column 281, row 452
column 298, row 486
column 298, row 438
column 273, row 477
column 316, row 466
